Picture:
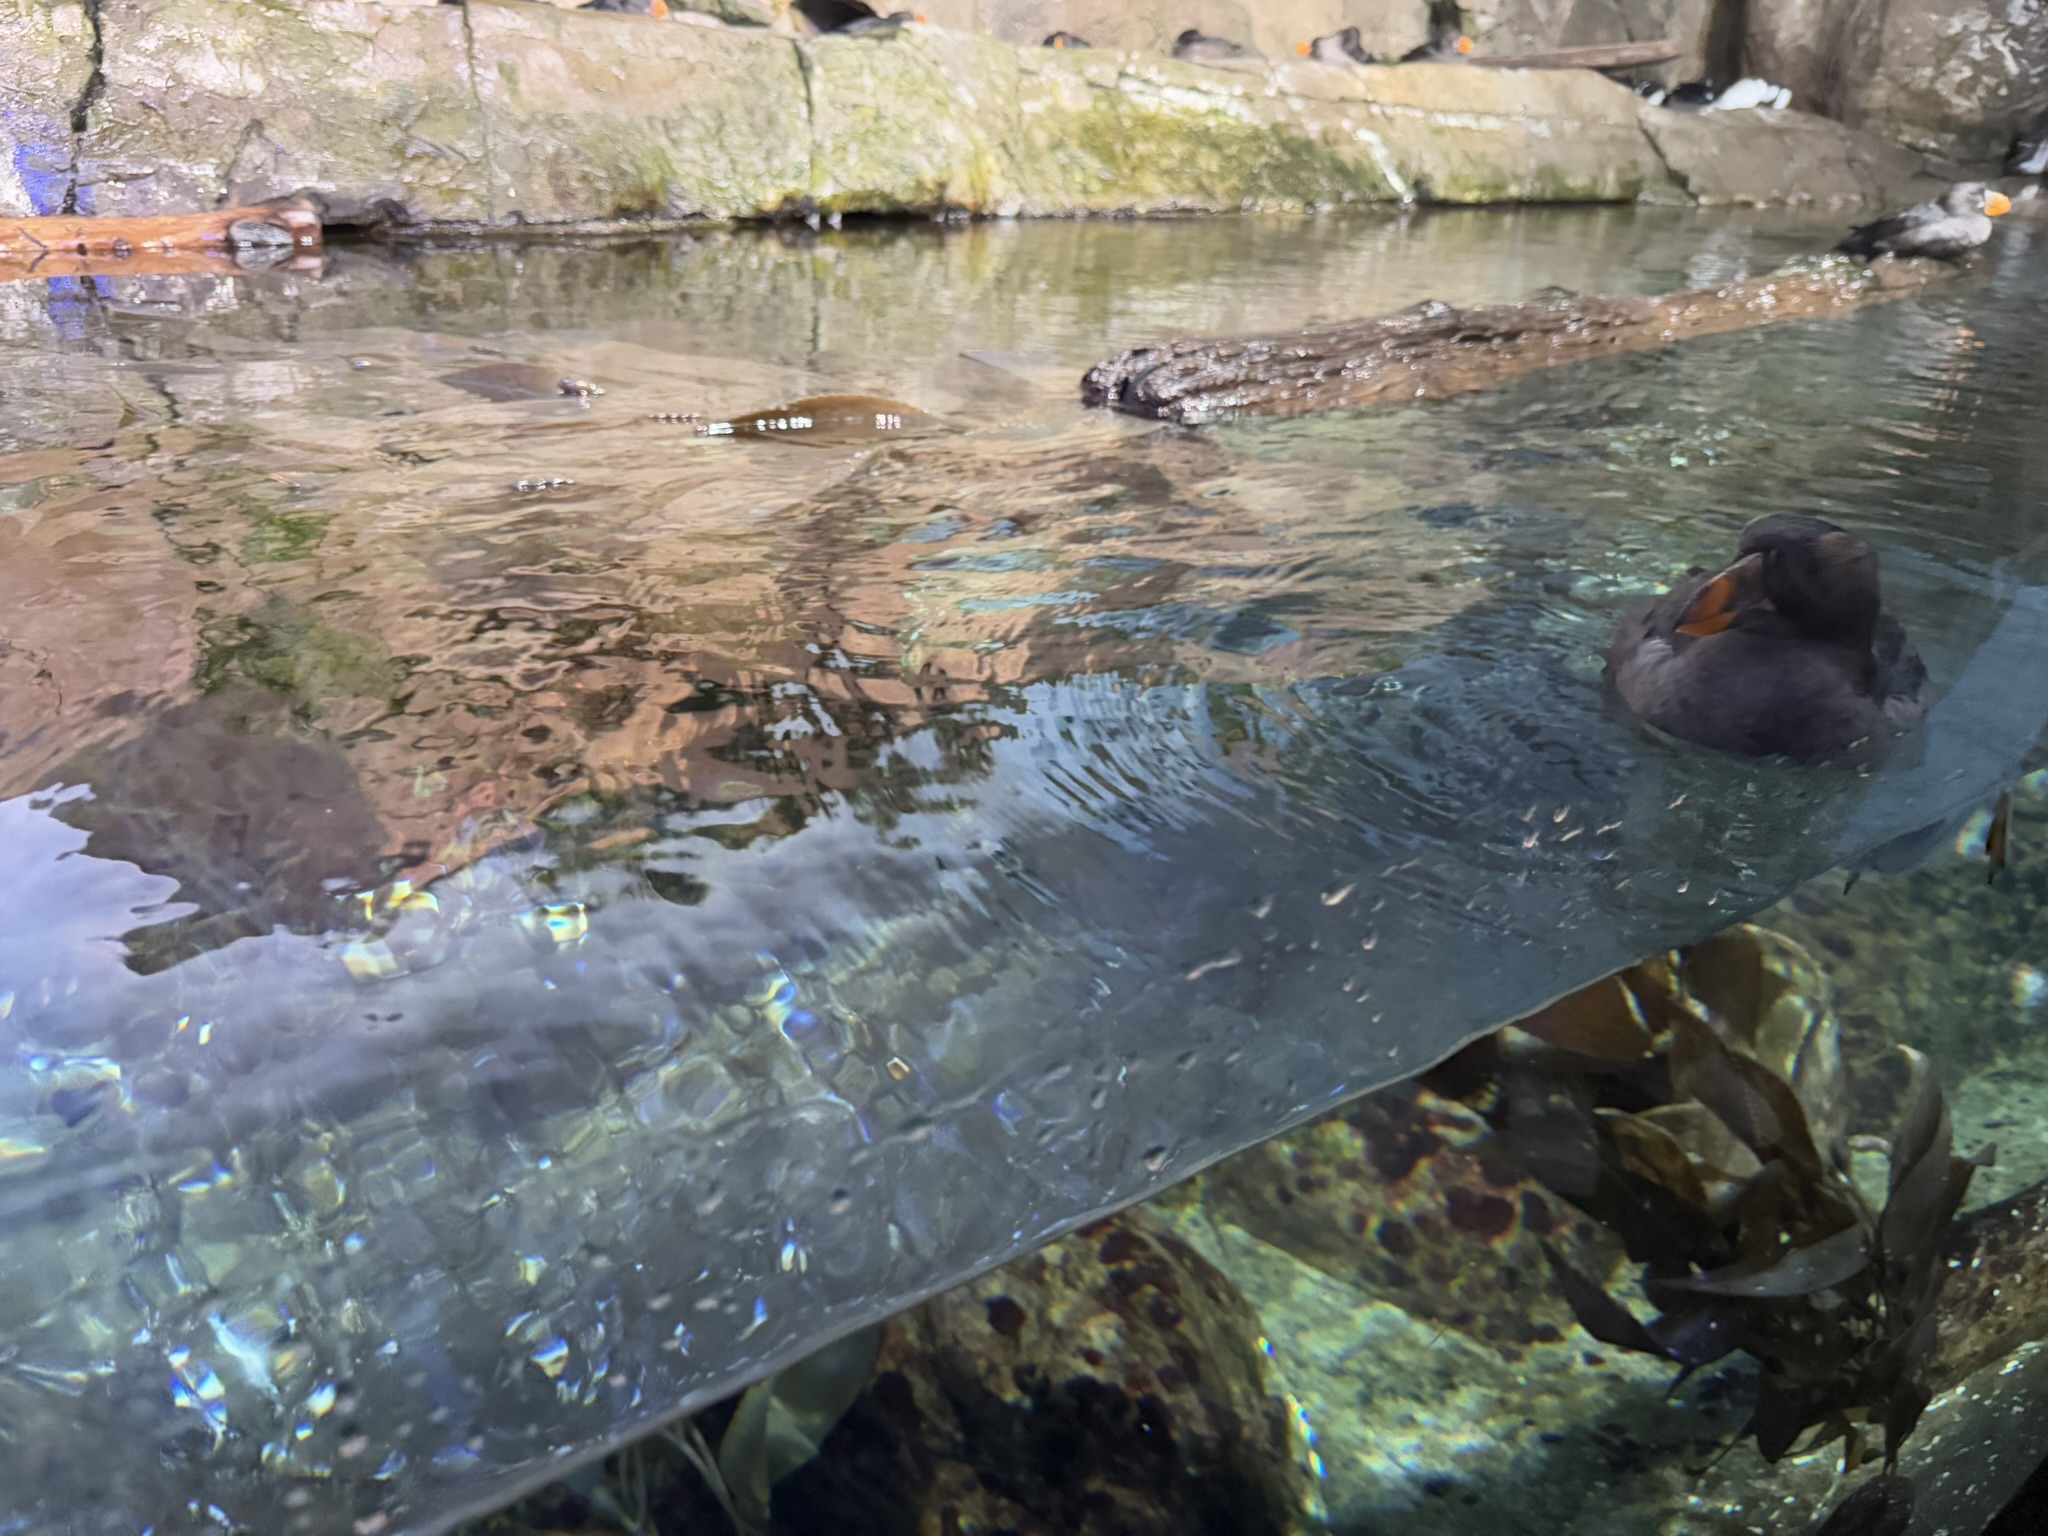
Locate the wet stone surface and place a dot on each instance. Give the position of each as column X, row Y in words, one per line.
column 1410, row 1198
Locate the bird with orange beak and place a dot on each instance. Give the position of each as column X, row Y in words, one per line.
column 1341, row 47
column 1946, row 228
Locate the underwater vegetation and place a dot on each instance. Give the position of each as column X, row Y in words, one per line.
column 1697, row 1106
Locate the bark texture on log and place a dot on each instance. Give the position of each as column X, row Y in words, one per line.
column 285, row 229
column 1593, row 56
column 1434, row 349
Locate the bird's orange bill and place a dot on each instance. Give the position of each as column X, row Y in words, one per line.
column 1303, row 48
column 1723, row 598
column 1998, row 837
column 1464, row 45
column 1997, row 203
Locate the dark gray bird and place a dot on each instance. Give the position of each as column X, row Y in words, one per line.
column 655, row 8
column 1341, row 47
column 1447, row 40
column 1199, row 48
column 1066, row 40
column 1440, row 50
column 1948, row 228
column 2029, row 155
column 1787, row 652
column 895, row 21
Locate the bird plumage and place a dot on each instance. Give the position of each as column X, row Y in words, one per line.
column 1787, row 652
column 1943, row 228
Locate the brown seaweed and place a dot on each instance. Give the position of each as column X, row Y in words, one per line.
column 1717, row 1151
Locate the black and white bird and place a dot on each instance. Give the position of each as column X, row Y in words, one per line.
column 1199, row 48
column 1340, row 47
column 1066, row 40
column 1946, row 228
column 2029, row 155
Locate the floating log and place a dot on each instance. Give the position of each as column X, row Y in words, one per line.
column 226, row 240
column 1593, row 56
column 1434, row 349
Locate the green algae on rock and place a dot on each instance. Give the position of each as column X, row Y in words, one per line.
column 504, row 114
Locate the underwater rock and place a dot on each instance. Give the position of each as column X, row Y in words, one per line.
column 1109, row 1383
column 1412, row 1198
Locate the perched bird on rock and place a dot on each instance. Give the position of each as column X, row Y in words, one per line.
column 1066, row 40
column 1198, row 48
column 815, row 18
column 1787, row 652
column 1751, row 91
column 867, row 26
column 2029, row 155
column 655, row 8
column 1440, row 49
column 1342, row 47
column 1447, row 43
column 1945, row 229
column 1690, row 96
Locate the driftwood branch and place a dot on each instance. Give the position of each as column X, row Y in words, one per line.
column 225, row 240
column 1435, row 349
column 1595, row 56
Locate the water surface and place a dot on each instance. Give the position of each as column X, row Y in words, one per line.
column 522, row 916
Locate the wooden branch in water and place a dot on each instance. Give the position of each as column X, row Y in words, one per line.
column 225, row 240
column 1594, row 56
column 1434, row 349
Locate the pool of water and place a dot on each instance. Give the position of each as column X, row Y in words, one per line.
column 522, row 916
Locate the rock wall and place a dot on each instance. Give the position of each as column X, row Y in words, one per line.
column 506, row 113
column 1957, row 77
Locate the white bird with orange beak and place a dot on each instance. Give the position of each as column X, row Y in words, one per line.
column 1945, row 229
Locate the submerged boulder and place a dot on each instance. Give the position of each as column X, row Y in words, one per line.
column 1111, row 1382
column 1410, row 1198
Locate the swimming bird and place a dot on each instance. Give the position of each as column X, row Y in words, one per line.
column 1787, row 652
column 1066, row 40
column 2029, row 155
column 1947, row 228
column 1341, row 47
column 1198, row 48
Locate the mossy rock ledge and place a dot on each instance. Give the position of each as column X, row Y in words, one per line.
column 503, row 113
